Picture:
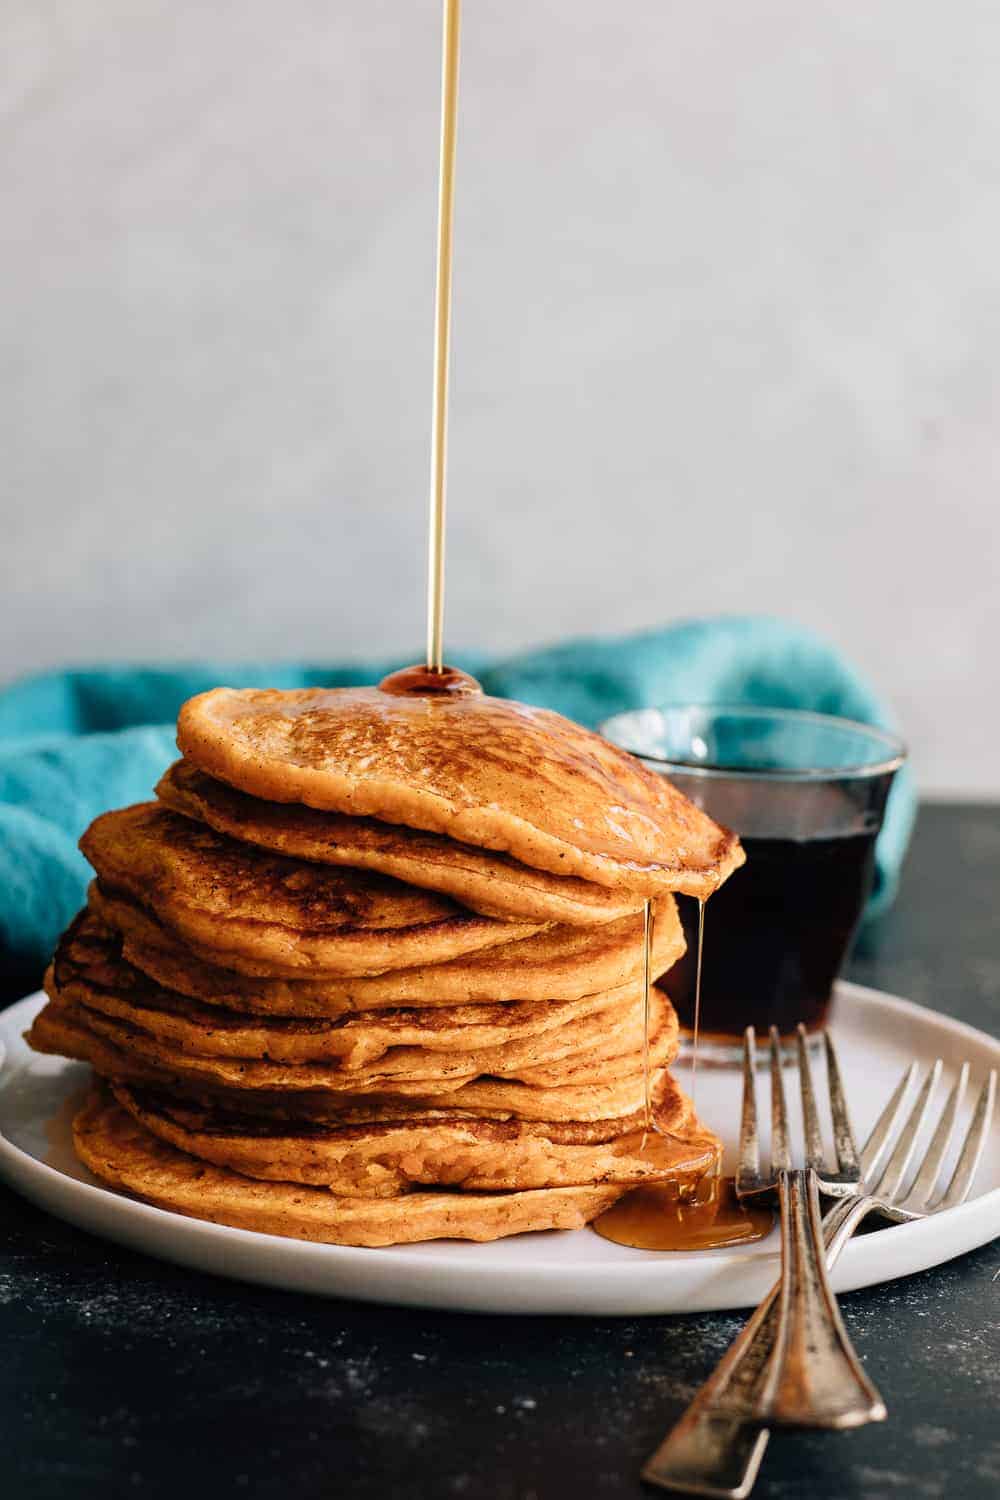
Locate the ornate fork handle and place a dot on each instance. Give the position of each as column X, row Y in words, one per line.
column 714, row 1449
column 814, row 1378
column 717, row 1446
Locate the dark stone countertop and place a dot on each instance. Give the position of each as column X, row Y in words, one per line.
column 122, row 1376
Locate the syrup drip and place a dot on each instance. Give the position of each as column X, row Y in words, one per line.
column 697, row 999
column 661, row 1216
column 647, row 1082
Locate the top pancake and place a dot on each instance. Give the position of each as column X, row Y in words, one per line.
column 484, row 771
column 487, row 882
column 261, row 913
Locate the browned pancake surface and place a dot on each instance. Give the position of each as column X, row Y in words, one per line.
column 89, row 969
column 59, row 1030
column 260, row 912
column 386, row 1158
column 609, row 1085
column 483, row 771
column 566, row 1056
column 612, row 1088
column 487, row 882
column 369, row 971
column 357, row 1054
column 123, row 1154
column 561, row 963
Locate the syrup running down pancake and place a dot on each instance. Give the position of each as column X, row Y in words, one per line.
column 376, row 968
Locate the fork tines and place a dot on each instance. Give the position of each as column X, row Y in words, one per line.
column 920, row 1198
column 749, row 1177
column 884, row 1180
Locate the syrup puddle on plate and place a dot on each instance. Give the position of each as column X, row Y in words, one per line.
column 657, row 1216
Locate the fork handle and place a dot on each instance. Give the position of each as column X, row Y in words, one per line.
column 814, row 1378
column 714, row 1449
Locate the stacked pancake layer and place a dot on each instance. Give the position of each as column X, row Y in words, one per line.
column 311, row 1017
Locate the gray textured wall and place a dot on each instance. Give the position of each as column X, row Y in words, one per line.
column 726, row 322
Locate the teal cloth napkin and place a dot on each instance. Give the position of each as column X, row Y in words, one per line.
column 75, row 743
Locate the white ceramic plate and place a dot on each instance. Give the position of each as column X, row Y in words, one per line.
column 556, row 1272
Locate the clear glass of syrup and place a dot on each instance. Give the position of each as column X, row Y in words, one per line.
column 806, row 793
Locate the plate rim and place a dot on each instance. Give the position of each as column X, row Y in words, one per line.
column 19, row 1167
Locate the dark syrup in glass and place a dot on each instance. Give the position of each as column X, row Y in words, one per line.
column 778, row 932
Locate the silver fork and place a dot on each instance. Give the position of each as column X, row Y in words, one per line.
column 715, row 1449
column 814, row 1378
column 884, row 1194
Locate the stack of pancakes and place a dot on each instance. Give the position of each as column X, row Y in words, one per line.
column 370, row 969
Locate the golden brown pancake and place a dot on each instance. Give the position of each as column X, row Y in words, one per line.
column 163, row 1027
column 558, row 964
column 319, row 1111
column 123, row 1054
column 56, row 1031
column 261, row 913
column 546, row 1060
column 60, row 1031
column 483, row 771
column 493, row 884
column 386, row 1158
column 122, row 1153
column 89, row 969
column 503, row 1098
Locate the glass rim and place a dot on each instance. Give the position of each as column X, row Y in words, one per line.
column 895, row 751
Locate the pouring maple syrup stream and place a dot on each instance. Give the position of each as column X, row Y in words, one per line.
column 651, row 1217
column 442, row 335
column 433, row 676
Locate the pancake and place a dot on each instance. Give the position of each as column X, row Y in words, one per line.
column 320, row 1112
column 161, row 1025
column 122, row 1153
column 121, row 1054
column 385, row 1159
column 608, row 1046
column 56, row 1032
column 89, row 969
column 558, row 964
column 61, row 1031
column 259, row 912
column 483, row 771
column 504, row 1099
column 493, row 884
